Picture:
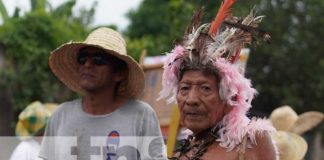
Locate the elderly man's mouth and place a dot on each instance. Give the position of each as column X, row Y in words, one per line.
column 194, row 115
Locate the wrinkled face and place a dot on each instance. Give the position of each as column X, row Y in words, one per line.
column 95, row 70
column 199, row 102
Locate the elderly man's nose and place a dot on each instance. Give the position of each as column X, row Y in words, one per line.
column 193, row 97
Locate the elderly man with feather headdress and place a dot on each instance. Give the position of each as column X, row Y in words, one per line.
column 213, row 95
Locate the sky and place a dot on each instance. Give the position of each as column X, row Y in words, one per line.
column 107, row 11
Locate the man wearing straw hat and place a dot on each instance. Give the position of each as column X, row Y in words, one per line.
column 109, row 82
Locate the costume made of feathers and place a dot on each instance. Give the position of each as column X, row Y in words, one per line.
column 220, row 43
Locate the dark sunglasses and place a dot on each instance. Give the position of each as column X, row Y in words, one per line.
column 96, row 58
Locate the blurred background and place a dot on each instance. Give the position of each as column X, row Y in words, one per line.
column 288, row 71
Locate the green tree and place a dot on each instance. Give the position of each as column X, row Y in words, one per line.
column 156, row 25
column 28, row 41
column 290, row 69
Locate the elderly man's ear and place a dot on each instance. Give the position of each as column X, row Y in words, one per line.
column 228, row 109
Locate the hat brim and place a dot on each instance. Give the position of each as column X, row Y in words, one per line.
column 22, row 132
column 283, row 118
column 291, row 146
column 63, row 63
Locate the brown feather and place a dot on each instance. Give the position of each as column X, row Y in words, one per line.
column 195, row 21
column 253, row 30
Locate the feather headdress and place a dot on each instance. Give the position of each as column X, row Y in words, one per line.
column 219, row 43
column 223, row 39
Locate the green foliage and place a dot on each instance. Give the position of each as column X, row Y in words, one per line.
column 288, row 71
column 3, row 12
column 28, row 41
column 156, row 25
column 64, row 10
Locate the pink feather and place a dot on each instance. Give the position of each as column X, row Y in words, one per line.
column 169, row 78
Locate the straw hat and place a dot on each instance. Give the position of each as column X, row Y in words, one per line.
column 64, row 64
column 307, row 121
column 290, row 126
column 33, row 119
column 283, row 118
column 286, row 119
column 291, row 146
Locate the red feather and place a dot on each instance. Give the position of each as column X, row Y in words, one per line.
column 236, row 56
column 222, row 13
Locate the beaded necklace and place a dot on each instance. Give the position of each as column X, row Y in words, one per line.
column 199, row 148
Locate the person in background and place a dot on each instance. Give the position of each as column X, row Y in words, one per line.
column 30, row 129
column 291, row 128
column 213, row 96
column 109, row 83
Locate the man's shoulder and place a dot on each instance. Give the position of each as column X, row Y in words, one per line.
column 65, row 107
column 264, row 148
column 139, row 105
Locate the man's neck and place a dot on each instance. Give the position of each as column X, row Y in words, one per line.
column 100, row 103
column 202, row 134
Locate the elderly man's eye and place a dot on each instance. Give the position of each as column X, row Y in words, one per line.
column 183, row 89
column 205, row 88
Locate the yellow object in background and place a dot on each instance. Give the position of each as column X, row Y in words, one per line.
column 173, row 130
